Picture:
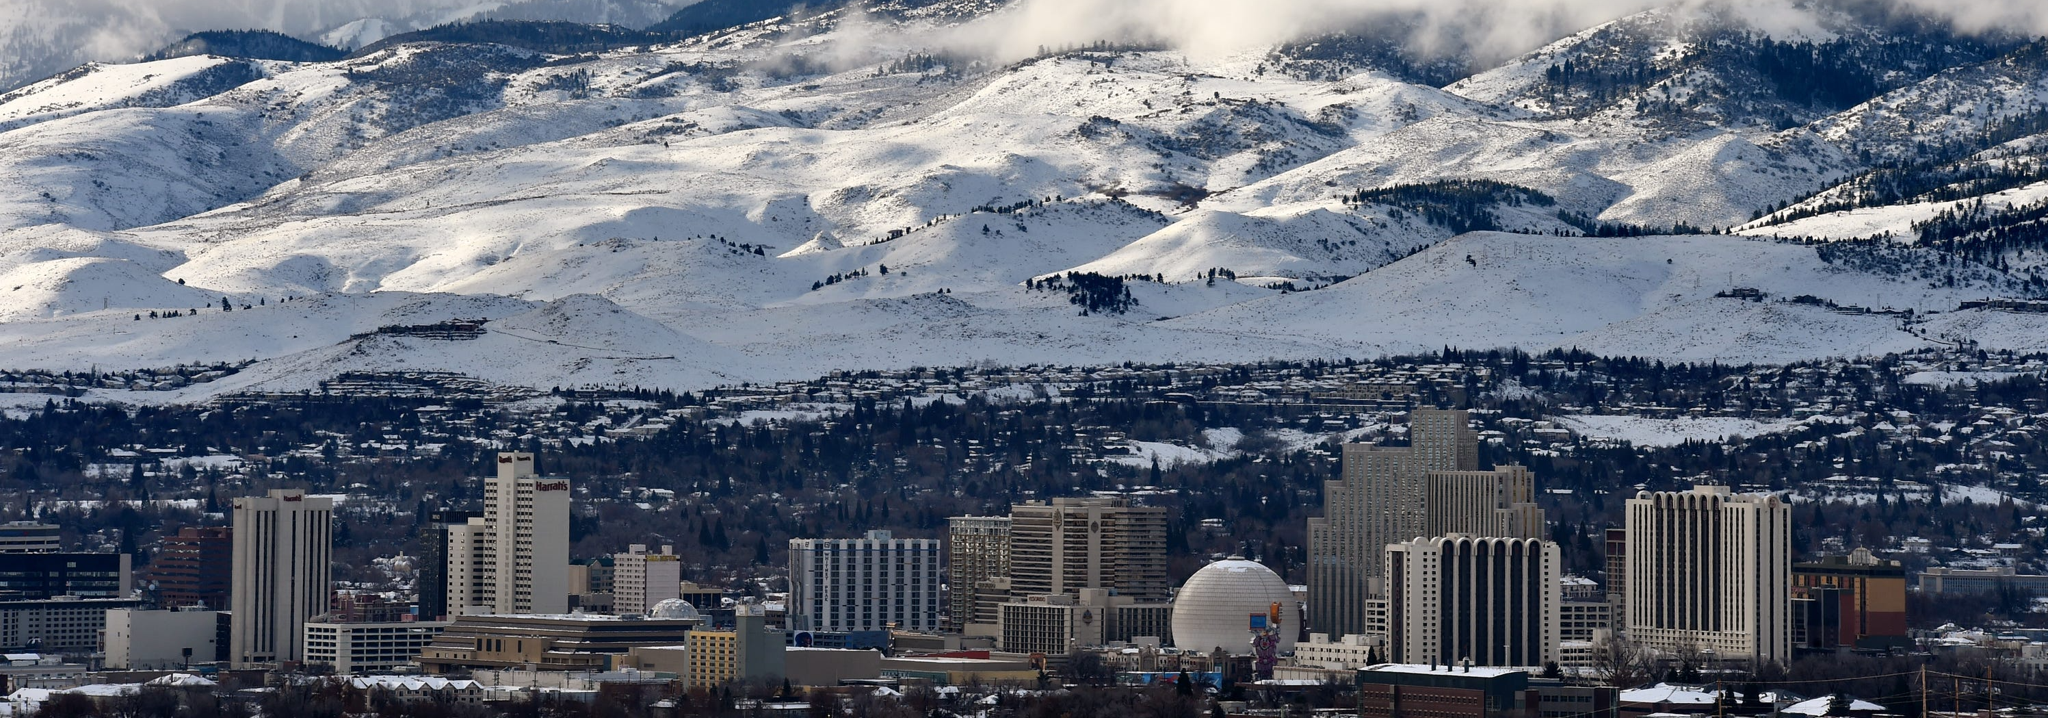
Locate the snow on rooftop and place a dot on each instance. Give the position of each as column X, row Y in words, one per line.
column 1423, row 668
column 1819, row 706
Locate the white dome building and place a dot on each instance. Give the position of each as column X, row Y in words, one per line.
column 1214, row 608
column 674, row 608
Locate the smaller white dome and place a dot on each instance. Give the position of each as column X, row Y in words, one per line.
column 673, row 608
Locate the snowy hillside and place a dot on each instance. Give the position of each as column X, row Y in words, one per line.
column 851, row 190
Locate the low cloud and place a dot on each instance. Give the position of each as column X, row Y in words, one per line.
column 1491, row 29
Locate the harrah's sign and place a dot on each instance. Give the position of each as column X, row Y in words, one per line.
column 551, row 486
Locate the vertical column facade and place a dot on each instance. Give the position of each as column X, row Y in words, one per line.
column 1488, row 600
column 1501, row 502
column 283, row 545
column 1709, row 572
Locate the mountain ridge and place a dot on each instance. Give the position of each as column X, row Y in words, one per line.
column 797, row 195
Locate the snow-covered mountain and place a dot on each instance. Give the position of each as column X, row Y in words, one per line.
column 852, row 190
column 40, row 38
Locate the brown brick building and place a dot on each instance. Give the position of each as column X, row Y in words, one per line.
column 196, row 566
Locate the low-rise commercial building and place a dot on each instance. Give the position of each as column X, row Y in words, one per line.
column 1864, row 597
column 554, row 642
column 1058, row 625
column 749, row 650
column 1350, row 652
column 35, row 670
column 410, row 689
column 830, row 666
column 368, row 647
column 64, row 625
column 1940, row 579
column 967, row 667
column 140, row 640
column 1401, row 690
column 29, row 537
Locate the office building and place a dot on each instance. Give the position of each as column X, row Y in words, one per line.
column 1398, row 690
column 864, row 584
column 1584, row 621
column 563, row 642
column 1480, row 600
column 977, row 549
column 29, row 537
column 140, row 640
column 283, row 545
column 1500, row 502
column 194, row 568
column 435, row 551
column 517, row 553
column 1864, row 601
column 1710, row 571
column 747, row 651
column 644, row 579
column 1379, row 500
column 42, row 576
column 368, row 647
column 1069, row 544
column 66, row 625
column 1057, row 625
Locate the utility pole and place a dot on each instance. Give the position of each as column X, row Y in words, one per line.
column 1923, row 691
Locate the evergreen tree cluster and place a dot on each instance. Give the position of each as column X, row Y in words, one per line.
column 1462, row 205
column 1093, row 293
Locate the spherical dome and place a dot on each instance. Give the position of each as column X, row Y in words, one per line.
column 673, row 608
column 1214, row 608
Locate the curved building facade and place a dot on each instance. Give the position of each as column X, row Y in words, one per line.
column 1222, row 604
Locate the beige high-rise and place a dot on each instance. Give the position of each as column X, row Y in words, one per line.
column 517, row 560
column 1501, row 502
column 1492, row 601
column 1070, row 544
column 282, row 547
column 977, row 549
column 1380, row 500
column 1709, row 572
column 645, row 578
